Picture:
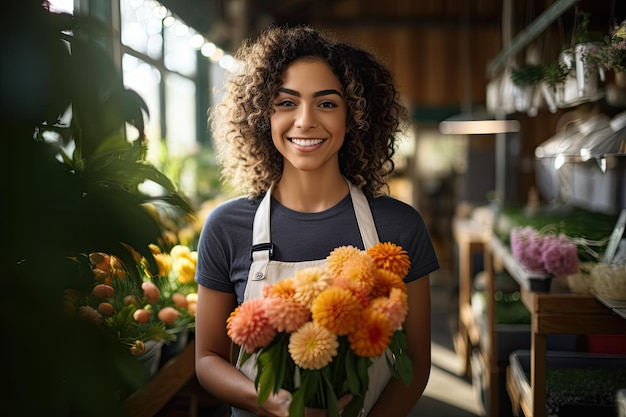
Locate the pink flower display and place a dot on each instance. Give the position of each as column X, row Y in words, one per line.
column 526, row 246
column 555, row 255
column 559, row 256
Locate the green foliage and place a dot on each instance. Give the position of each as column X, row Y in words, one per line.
column 526, row 75
column 70, row 185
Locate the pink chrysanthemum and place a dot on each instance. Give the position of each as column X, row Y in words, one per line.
column 308, row 283
column 395, row 307
column 283, row 311
column 312, row 346
column 372, row 335
column 336, row 259
column 391, row 257
column 559, row 256
column 248, row 326
column 336, row 309
column 526, row 246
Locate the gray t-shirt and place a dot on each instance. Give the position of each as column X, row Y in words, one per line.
column 226, row 238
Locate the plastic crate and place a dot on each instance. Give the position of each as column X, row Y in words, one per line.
column 610, row 369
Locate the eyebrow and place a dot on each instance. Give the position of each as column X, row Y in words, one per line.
column 316, row 94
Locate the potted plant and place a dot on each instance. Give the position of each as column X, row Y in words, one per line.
column 554, row 76
column 525, row 79
column 612, row 55
column 71, row 186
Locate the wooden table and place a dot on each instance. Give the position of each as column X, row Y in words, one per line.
column 551, row 313
column 171, row 378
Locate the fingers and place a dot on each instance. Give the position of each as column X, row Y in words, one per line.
column 344, row 400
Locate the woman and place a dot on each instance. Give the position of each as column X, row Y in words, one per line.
column 307, row 128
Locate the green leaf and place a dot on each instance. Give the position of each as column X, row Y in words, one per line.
column 354, row 384
column 402, row 367
column 266, row 371
column 331, row 403
column 353, row 409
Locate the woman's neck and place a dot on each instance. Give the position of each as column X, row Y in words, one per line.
column 310, row 192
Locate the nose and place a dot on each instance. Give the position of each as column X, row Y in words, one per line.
column 305, row 117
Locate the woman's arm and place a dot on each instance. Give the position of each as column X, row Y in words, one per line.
column 397, row 400
column 213, row 367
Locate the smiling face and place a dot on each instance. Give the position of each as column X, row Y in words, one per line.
column 309, row 119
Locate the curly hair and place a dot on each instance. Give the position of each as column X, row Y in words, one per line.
column 241, row 122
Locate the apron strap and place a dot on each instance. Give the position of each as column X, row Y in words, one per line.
column 364, row 217
column 262, row 247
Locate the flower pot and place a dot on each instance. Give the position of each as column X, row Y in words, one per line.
column 175, row 347
column 151, row 359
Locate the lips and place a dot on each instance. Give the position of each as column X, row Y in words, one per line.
column 306, row 142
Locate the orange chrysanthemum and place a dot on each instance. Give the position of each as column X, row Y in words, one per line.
column 336, row 259
column 284, row 288
column 336, row 309
column 249, row 327
column 313, row 346
column 372, row 334
column 308, row 283
column 395, row 307
column 358, row 276
column 283, row 311
column 384, row 281
column 391, row 257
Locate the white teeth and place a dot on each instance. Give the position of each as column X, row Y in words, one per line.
column 307, row 142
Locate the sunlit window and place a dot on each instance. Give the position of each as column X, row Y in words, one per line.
column 62, row 6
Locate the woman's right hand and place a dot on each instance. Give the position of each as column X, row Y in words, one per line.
column 276, row 405
column 319, row 412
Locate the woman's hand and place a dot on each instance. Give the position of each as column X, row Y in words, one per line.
column 320, row 412
column 276, row 405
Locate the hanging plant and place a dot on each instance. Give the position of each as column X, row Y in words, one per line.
column 555, row 73
column 527, row 75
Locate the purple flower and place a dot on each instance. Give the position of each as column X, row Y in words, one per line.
column 526, row 246
column 560, row 256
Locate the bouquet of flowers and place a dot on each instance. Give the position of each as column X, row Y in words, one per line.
column 317, row 333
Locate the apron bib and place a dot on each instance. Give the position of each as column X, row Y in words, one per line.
column 264, row 270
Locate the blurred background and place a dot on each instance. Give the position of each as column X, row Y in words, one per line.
column 454, row 61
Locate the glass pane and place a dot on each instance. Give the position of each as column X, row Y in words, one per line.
column 62, row 6
column 179, row 55
column 142, row 21
column 180, row 115
column 144, row 79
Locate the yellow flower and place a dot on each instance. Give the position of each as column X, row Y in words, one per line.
column 312, row 346
column 180, row 251
column 308, row 283
column 336, row 259
column 185, row 270
column 372, row 334
column 164, row 263
column 336, row 309
column 154, row 248
column 391, row 257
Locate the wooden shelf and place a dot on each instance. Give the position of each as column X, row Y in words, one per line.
column 171, row 378
column 551, row 313
column 471, row 238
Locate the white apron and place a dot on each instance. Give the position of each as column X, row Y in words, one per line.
column 266, row 271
